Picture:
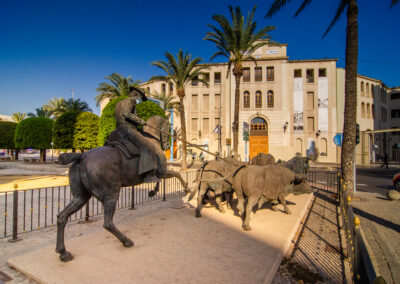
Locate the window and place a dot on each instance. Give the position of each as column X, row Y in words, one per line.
column 323, row 147
column 362, row 89
column 171, row 88
column 257, row 74
column 395, row 113
column 258, row 99
column 372, row 91
column 195, row 125
column 270, row 99
column 195, row 81
column 310, row 100
column 206, row 77
column 297, row 73
column 206, row 125
column 368, row 111
column 270, row 73
column 217, row 78
column 373, row 110
column 148, row 90
column 367, row 88
column 217, row 101
column 194, row 102
column 383, row 114
column 206, row 102
column 246, row 74
column 310, row 124
column 310, row 75
column 322, row 72
column 246, row 99
column 362, row 110
column 163, row 88
column 299, row 146
column 395, row 96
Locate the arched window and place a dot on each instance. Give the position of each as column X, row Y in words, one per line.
column 323, row 146
column 270, row 99
column 367, row 87
column 258, row 99
column 171, row 87
column 362, row 89
column 163, row 88
column 148, row 90
column 373, row 110
column 372, row 90
column 299, row 146
column 362, row 110
column 246, row 99
column 368, row 111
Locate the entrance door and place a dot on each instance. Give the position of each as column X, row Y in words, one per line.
column 258, row 137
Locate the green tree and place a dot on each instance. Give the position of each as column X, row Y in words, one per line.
column 40, row 112
column 75, row 105
column 34, row 132
column 119, row 87
column 168, row 99
column 18, row 117
column 63, row 132
column 181, row 71
column 237, row 41
column 55, row 106
column 7, row 131
column 86, row 131
column 350, row 103
column 144, row 110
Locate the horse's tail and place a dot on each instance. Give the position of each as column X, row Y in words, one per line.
column 67, row 158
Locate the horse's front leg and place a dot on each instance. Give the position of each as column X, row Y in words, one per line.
column 155, row 190
column 170, row 174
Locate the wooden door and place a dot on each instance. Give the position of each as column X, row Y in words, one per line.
column 258, row 138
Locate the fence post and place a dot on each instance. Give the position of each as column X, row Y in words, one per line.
column 132, row 198
column 164, row 183
column 15, row 215
column 87, row 211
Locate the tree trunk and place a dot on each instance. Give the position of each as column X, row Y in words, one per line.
column 181, row 95
column 350, row 106
column 16, row 154
column 42, row 155
column 237, row 72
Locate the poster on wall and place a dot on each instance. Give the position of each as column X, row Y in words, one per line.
column 298, row 104
column 323, row 104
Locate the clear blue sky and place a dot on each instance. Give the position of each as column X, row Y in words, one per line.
column 48, row 48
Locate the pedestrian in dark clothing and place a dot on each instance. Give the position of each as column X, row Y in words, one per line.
column 385, row 161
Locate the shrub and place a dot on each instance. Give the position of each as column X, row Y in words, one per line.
column 63, row 133
column 86, row 131
column 7, row 131
column 144, row 110
column 34, row 132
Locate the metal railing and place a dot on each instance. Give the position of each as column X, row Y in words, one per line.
column 360, row 264
column 33, row 209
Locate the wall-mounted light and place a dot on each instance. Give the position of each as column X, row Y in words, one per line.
column 318, row 133
column 285, row 126
column 199, row 133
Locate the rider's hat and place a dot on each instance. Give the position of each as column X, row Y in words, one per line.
column 136, row 92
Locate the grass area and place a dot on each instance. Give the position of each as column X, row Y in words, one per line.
column 30, row 182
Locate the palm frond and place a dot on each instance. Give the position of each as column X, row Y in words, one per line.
column 339, row 11
column 275, row 7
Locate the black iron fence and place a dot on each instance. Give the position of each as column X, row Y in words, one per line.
column 361, row 268
column 33, row 209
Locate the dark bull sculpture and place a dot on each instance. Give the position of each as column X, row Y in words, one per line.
column 101, row 173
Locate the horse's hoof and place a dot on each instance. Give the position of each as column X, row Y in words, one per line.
column 198, row 214
column 66, row 256
column 288, row 212
column 128, row 243
column 246, row 227
column 151, row 193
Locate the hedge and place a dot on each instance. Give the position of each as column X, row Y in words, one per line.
column 86, row 131
column 7, row 131
column 34, row 132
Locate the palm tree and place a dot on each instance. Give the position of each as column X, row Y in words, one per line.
column 55, row 106
column 237, row 41
column 168, row 99
column 76, row 105
column 350, row 103
column 18, row 117
column 181, row 71
column 40, row 112
column 119, row 87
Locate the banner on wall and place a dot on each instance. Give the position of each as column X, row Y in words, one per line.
column 323, row 104
column 298, row 123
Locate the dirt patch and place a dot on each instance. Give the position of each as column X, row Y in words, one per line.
column 30, row 182
column 301, row 274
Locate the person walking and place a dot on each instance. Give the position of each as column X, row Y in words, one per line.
column 385, row 161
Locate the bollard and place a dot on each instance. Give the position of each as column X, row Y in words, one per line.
column 15, row 215
column 132, row 198
column 164, row 197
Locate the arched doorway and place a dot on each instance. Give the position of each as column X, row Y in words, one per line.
column 258, row 136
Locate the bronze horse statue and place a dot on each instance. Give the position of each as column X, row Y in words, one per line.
column 101, row 173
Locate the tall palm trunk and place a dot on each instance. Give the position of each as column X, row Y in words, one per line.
column 350, row 106
column 237, row 72
column 181, row 95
